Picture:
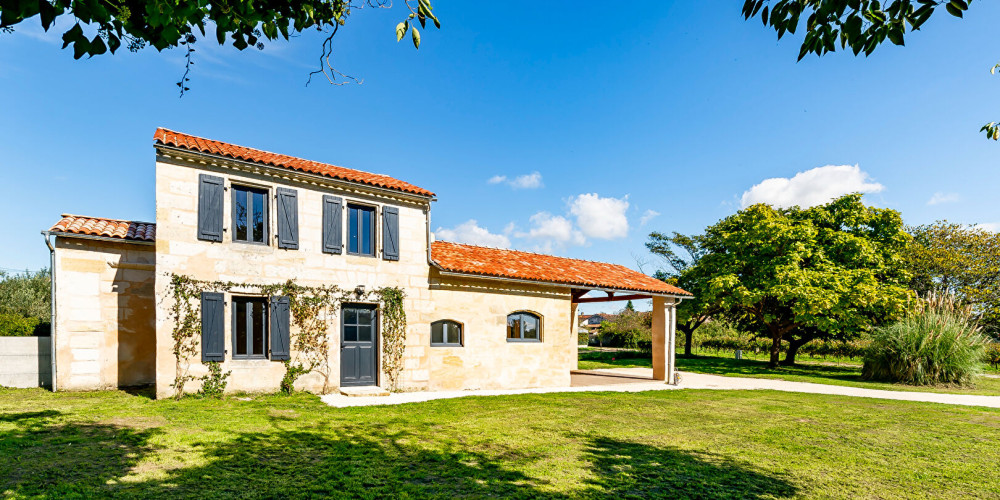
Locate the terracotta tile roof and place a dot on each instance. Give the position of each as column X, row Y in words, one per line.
column 469, row 259
column 108, row 228
column 190, row 142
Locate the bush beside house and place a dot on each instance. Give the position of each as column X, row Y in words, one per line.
column 25, row 304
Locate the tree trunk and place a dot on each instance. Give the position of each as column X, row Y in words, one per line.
column 775, row 348
column 687, row 343
column 793, row 349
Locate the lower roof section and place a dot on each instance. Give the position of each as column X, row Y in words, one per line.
column 513, row 264
column 113, row 229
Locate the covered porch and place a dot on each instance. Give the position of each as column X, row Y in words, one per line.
column 664, row 335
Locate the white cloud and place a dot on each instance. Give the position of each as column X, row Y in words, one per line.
column 470, row 232
column 940, row 197
column 601, row 218
column 552, row 231
column 812, row 187
column 526, row 181
column 992, row 227
column 648, row 216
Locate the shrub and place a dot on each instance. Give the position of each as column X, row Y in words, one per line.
column 993, row 354
column 630, row 329
column 15, row 325
column 939, row 344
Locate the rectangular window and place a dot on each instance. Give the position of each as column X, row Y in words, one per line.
column 250, row 327
column 249, row 214
column 360, row 230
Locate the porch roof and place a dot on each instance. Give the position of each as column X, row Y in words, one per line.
column 513, row 264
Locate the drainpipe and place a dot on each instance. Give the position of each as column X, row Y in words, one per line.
column 430, row 260
column 52, row 304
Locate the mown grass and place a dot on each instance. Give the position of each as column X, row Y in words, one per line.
column 683, row 444
column 833, row 371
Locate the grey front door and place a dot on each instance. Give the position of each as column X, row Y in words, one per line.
column 358, row 341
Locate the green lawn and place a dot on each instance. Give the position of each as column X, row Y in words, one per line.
column 834, row 372
column 682, row 444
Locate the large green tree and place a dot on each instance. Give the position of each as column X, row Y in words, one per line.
column 858, row 25
column 959, row 260
column 830, row 271
column 681, row 254
column 104, row 26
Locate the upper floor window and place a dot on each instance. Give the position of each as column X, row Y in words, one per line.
column 249, row 214
column 446, row 333
column 524, row 326
column 360, row 230
column 250, row 327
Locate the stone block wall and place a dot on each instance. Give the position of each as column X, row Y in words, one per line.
column 104, row 314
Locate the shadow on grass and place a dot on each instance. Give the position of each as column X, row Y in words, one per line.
column 43, row 456
column 353, row 461
column 634, row 470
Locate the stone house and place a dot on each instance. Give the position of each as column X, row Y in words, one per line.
column 476, row 317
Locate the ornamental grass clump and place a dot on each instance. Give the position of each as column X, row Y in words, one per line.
column 939, row 343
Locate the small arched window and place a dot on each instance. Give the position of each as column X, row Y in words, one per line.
column 524, row 327
column 446, row 333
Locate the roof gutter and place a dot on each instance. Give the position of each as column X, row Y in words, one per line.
column 97, row 238
column 552, row 284
column 52, row 305
column 182, row 152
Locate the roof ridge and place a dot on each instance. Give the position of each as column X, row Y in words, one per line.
column 536, row 253
column 157, row 139
column 132, row 221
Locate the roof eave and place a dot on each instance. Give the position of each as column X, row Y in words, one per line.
column 64, row 234
column 445, row 272
column 182, row 152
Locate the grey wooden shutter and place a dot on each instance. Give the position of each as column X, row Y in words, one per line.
column 333, row 227
column 288, row 218
column 280, row 338
column 210, row 193
column 390, row 233
column 213, row 343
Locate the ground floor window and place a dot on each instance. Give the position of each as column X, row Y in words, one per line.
column 249, row 327
column 524, row 326
column 446, row 333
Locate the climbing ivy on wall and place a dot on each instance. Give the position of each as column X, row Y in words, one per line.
column 310, row 309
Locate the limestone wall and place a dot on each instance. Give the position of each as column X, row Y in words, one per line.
column 104, row 314
column 487, row 360
column 179, row 251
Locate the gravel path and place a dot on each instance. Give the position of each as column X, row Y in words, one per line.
column 688, row 381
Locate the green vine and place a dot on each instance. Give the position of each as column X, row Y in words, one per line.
column 213, row 385
column 309, row 307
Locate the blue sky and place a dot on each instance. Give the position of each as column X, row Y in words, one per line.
column 661, row 116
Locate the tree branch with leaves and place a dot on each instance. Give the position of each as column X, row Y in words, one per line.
column 858, row 25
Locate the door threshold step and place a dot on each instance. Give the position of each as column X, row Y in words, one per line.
column 366, row 391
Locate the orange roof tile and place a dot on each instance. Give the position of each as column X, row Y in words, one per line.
column 108, row 228
column 469, row 259
column 190, row 142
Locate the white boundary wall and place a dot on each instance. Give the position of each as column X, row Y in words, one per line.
column 26, row 362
